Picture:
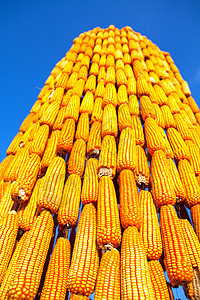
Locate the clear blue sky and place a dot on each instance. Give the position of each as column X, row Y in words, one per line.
column 36, row 34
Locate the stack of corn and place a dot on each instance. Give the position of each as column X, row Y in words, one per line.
column 79, row 159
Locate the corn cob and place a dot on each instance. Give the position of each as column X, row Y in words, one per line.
column 197, row 116
column 28, row 212
column 120, row 77
column 14, row 145
column 51, row 186
column 90, row 183
column 82, row 131
column 76, row 163
column 50, row 114
column 23, row 186
column 195, row 214
column 12, row 265
column 173, row 105
column 161, row 179
column 166, row 146
column 69, row 207
column 190, row 114
column 6, row 201
column 108, row 224
column 99, row 93
column 19, row 162
column 189, row 182
column 55, row 284
column 162, row 98
column 110, row 95
column 108, row 157
column 133, row 105
column 78, row 297
column 135, row 277
column 153, row 136
column 167, row 116
column 159, row 116
column 28, row 121
column 60, row 119
column 126, row 158
column 195, row 156
column 85, row 260
column 62, row 81
column 131, row 86
column 72, row 109
column 182, row 127
column 94, row 141
column 40, row 140
column 87, row 103
column 178, row 264
column 142, row 167
column 150, row 230
column 193, row 105
column 27, row 274
column 72, row 81
column 177, row 184
column 108, row 279
column 192, row 243
column 97, row 114
column 8, row 234
column 124, row 117
column 66, row 137
column 122, row 95
column 167, row 86
column 109, row 123
column 186, row 118
column 147, row 109
column 137, row 128
column 130, row 214
column 142, row 86
column 29, row 135
column 178, row 145
column 158, row 280
column 8, row 160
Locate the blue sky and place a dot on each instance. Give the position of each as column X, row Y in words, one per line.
column 35, row 35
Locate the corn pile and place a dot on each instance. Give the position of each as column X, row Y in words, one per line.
column 78, row 160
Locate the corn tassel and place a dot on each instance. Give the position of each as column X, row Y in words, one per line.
column 51, row 186
column 97, row 114
column 142, row 167
column 90, row 182
column 189, row 182
column 85, row 260
column 87, row 103
column 130, row 214
column 150, row 230
column 135, row 277
column 94, row 141
column 137, row 128
column 55, row 284
column 109, row 123
column 108, row 224
column 178, row 264
column 158, row 280
column 133, row 105
column 28, row 272
column 108, row 157
column 14, row 145
column 76, row 163
column 195, row 214
column 23, row 186
column 69, row 207
column 178, row 145
column 108, row 279
column 66, row 137
column 161, row 179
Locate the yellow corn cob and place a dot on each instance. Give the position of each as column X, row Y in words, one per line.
column 8, row 234
column 158, row 280
column 72, row 110
column 161, row 179
column 126, row 158
column 131, row 86
column 196, row 137
column 142, row 167
column 137, row 128
column 153, row 136
column 100, row 90
column 62, row 81
column 50, row 150
column 197, row 116
column 154, row 77
column 55, row 284
column 110, row 74
column 6, row 201
column 162, row 98
column 57, row 95
column 8, row 161
column 94, row 141
column 102, row 72
column 173, row 105
column 90, row 84
column 82, row 131
column 187, row 118
column 130, row 213
column 36, row 106
column 3, row 186
column 78, row 297
column 76, row 163
column 195, row 214
column 72, row 81
column 182, row 127
column 109, row 123
column 166, row 146
column 28, row 272
column 90, row 183
column 87, row 103
column 159, row 117
column 110, row 95
column 178, row 145
column 79, row 87
column 60, row 119
column 178, row 264
column 147, row 109
column 50, row 114
column 40, row 140
column 189, row 182
column 66, row 136
column 12, row 265
column 122, row 95
column 167, row 116
column 135, row 277
column 23, row 186
column 137, row 67
column 51, row 186
column 83, row 73
column 195, row 156
column 133, row 105
column 167, row 86
column 67, row 98
column 192, row 243
column 28, row 212
column 108, row 224
column 28, row 121
column 121, row 77
column 108, row 279
column 124, row 117
column 97, row 114
column 69, row 206
column 185, row 88
column 14, row 145
column 85, row 260
column 94, row 70
column 142, row 87
column 193, row 105
column 19, row 163
column 108, row 157
column 150, row 230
